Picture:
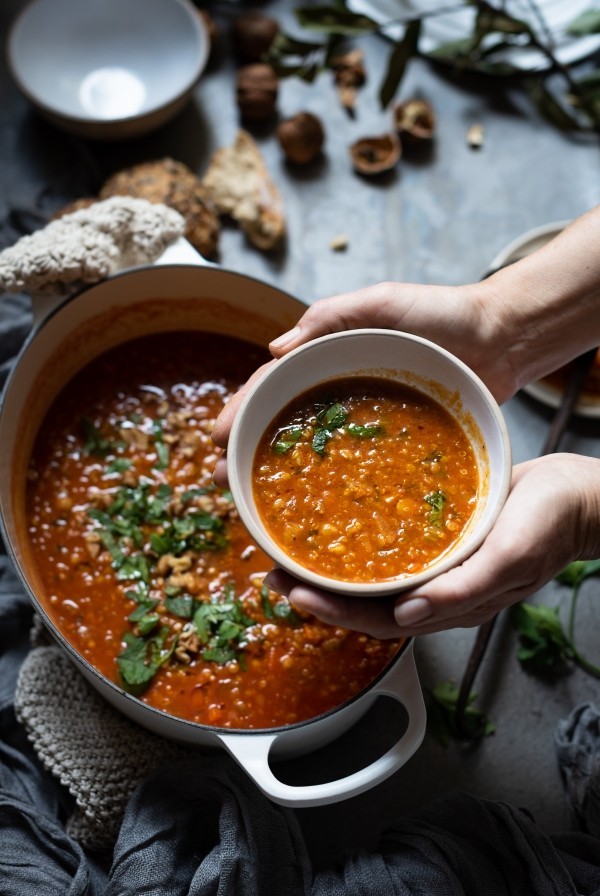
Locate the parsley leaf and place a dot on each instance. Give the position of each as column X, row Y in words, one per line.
column 441, row 715
column 141, row 659
column 368, row 431
column 329, row 419
column 544, row 645
column 95, row 443
column 286, row 438
column 437, row 501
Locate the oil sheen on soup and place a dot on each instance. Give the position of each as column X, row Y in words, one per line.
column 146, row 567
column 364, row 480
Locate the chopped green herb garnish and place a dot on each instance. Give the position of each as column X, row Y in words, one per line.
column 142, row 658
column 118, row 465
column 368, row 431
column 95, row 443
column 182, row 606
column 332, row 417
column 221, row 626
column 286, row 438
column 437, row 501
column 281, row 610
column 328, row 420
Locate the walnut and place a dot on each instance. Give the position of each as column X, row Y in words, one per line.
column 252, row 35
column 349, row 74
column 374, row 155
column 257, row 90
column 414, row 121
column 301, row 138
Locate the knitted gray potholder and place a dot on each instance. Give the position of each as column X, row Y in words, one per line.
column 94, row 751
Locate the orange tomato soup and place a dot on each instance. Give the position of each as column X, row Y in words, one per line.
column 146, row 567
column 364, row 480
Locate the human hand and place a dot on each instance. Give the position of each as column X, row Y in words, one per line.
column 458, row 318
column 551, row 517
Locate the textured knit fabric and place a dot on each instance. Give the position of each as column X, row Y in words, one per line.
column 89, row 245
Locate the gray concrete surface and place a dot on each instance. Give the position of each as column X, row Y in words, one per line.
column 441, row 220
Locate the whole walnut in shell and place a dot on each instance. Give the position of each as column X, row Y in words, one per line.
column 257, row 88
column 252, row 35
column 301, row 138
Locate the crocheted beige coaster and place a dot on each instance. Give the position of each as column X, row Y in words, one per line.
column 94, row 751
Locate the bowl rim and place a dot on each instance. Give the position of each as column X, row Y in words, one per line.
column 59, row 115
column 306, row 576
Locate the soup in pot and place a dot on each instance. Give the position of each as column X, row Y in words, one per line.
column 146, row 567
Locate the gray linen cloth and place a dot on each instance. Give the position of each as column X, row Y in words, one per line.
column 195, row 825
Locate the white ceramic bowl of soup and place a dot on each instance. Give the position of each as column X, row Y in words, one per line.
column 108, row 70
column 398, row 359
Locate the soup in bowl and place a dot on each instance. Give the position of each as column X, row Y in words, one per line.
column 368, row 461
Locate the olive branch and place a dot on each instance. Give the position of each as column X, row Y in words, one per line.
column 567, row 100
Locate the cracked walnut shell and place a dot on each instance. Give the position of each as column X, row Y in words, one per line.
column 415, row 121
column 375, row 155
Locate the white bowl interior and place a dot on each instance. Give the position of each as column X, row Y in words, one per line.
column 106, row 59
column 403, row 358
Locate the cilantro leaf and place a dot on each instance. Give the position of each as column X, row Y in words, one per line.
column 442, row 726
column 141, row 659
column 544, row 645
column 286, row 438
column 368, row 431
column 437, row 501
column 579, row 570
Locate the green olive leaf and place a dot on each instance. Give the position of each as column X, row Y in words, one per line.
column 586, row 23
column 398, row 59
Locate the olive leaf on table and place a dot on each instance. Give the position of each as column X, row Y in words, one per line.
column 566, row 100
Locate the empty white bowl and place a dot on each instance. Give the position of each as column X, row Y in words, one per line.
column 108, row 69
column 395, row 356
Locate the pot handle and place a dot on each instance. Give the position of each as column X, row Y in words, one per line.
column 182, row 252
column 252, row 751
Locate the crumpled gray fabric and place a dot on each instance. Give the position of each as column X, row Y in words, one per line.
column 578, row 750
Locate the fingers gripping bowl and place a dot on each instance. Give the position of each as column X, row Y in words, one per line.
column 387, row 466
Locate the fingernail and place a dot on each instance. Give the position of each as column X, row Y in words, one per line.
column 412, row 611
column 283, row 340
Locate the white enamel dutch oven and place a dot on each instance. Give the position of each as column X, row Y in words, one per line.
column 181, row 291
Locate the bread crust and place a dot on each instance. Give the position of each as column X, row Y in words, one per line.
column 241, row 187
